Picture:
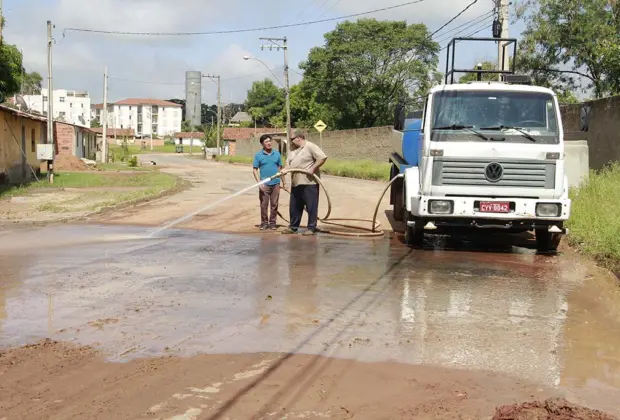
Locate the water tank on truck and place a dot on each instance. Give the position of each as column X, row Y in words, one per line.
column 406, row 152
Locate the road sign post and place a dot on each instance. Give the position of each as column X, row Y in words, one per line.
column 320, row 126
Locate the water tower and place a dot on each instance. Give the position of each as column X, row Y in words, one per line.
column 193, row 100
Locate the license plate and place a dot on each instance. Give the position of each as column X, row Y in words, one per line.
column 494, row 207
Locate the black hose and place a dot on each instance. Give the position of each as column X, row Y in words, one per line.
column 367, row 232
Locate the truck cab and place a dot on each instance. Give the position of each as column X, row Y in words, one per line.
column 482, row 155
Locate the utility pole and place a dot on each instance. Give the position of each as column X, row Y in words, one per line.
column 219, row 107
column 104, row 141
column 503, row 63
column 278, row 43
column 50, row 102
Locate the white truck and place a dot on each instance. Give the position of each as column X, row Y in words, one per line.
column 482, row 155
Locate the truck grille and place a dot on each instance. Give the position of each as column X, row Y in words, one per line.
column 514, row 173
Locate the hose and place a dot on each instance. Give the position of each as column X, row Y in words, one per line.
column 367, row 232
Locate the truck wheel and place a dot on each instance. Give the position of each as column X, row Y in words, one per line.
column 397, row 196
column 547, row 241
column 414, row 235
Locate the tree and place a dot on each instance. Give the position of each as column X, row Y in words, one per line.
column 570, row 40
column 265, row 101
column 32, row 83
column 10, row 70
column 565, row 95
column 487, row 77
column 306, row 110
column 95, row 124
column 366, row 67
column 186, row 126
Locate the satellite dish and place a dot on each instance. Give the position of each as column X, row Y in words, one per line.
column 81, row 118
column 21, row 103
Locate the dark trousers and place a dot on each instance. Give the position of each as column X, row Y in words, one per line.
column 269, row 196
column 304, row 196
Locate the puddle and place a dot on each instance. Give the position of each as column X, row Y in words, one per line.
column 552, row 320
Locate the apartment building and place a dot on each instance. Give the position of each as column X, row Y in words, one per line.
column 147, row 117
column 68, row 105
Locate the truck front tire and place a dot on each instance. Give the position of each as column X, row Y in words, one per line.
column 547, row 241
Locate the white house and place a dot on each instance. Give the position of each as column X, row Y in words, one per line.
column 147, row 117
column 68, row 105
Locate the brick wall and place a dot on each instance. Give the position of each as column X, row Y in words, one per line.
column 64, row 135
column 603, row 136
column 366, row 143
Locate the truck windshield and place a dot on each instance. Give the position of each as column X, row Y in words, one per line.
column 511, row 117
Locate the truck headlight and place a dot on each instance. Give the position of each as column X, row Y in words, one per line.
column 440, row 206
column 547, row 209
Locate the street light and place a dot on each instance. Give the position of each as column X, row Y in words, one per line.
column 247, row 57
column 286, row 90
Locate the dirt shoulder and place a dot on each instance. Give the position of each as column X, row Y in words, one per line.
column 81, row 192
column 60, row 381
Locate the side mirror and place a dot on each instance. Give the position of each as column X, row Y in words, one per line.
column 584, row 116
column 399, row 117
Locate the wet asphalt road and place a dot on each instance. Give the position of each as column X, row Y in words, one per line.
column 551, row 320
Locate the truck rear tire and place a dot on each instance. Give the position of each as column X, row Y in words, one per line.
column 397, row 196
column 547, row 241
column 414, row 235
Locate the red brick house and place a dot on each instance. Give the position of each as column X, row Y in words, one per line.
column 71, row 139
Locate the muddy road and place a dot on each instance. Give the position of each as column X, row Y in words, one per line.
column 201, row 324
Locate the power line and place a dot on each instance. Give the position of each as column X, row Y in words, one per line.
column 466, row 25
column 486, row 26
column 330, row 9
column 232, row 31
column 455, row 17
column 484, row 21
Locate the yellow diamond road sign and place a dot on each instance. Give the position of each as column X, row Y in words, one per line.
column 320, row 126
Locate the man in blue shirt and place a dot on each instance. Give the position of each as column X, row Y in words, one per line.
column 268, row 162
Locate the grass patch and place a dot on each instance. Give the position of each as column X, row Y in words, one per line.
column 595, row 221
column 97, row 179
column 360, row 169
column 148, row 183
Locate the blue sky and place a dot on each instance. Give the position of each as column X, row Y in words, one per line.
column 155, row 66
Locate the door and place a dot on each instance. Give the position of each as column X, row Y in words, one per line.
column 79, row 150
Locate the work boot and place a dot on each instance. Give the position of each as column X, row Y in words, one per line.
column 263, row 227
column 309, row 232
column 273, row 227
column 289, row 231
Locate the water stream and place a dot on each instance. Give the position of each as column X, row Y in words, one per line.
column 205, row 208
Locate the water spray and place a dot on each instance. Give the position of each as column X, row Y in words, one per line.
column 365, row 231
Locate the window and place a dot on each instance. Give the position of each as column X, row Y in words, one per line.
column 62, row 113
column 61, row 99
column 70, row 105
column 82, row 105
column 534, row 112
column 45, row 99
column 33, row 141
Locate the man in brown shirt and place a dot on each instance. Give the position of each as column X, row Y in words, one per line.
column 305, row 190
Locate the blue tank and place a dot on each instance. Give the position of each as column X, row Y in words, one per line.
column 412, row 142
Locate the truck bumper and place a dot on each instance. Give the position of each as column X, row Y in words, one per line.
column 466, row 212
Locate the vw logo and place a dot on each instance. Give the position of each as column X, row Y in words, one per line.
column 494, row 172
